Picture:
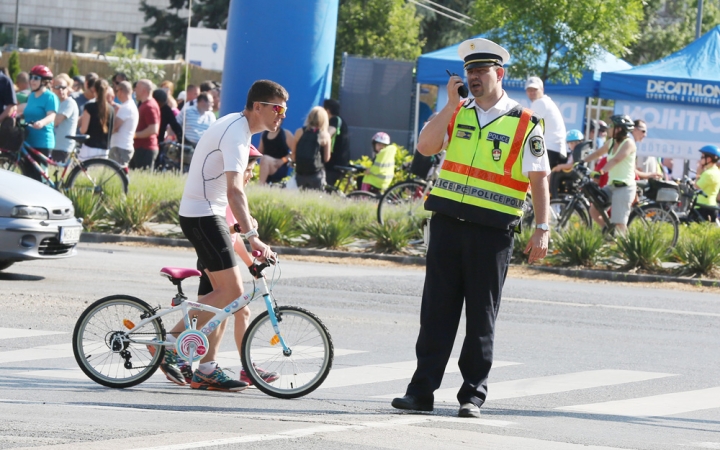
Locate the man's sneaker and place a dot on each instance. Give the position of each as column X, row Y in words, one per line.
column 216, row 381
column 269, row 377
column 169, row 365
column 186, row 370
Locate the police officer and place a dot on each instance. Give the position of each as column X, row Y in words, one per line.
column 495, row 150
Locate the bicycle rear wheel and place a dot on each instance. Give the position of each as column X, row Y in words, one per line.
column 304, row 369
column 403, row 200
column 104, row 350
column 655, row 214
column 101, row 176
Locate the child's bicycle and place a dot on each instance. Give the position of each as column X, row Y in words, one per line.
column 116, row 338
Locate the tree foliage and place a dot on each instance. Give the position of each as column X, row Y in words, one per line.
column 439, row 31
column 74, row 70
column 377, row 28
column 14, row 65
column 168, row 25
column 668, row 26
column 558, row 39
column 130, row 63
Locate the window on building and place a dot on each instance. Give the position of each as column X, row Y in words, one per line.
column 28, row 37
column 90, row 41
column 143, row 48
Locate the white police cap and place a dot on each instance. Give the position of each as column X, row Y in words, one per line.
column 481, row 52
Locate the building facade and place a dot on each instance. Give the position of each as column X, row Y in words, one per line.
column 81, row 26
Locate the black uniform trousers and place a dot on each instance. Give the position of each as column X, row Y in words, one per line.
column 465, row 262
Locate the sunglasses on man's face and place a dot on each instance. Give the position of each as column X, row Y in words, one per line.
column 35, row 78
column 279, row 109
column 59, row 88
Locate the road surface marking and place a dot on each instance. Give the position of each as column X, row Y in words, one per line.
column 12, row 333
column 36, row 353
column 602, row 306
column 551, row 384
column 232, row 358
column 655, row 405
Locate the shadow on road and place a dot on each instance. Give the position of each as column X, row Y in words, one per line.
column 4, row 276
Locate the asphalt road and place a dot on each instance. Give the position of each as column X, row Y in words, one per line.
column 578, row 365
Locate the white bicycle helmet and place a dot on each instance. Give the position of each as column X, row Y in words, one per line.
column 381, row 137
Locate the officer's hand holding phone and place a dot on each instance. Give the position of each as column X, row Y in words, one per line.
column 455, row 88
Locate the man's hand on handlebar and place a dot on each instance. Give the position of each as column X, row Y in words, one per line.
column 257, row 245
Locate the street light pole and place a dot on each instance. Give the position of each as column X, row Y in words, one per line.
column 698, row 32
column 17, row 24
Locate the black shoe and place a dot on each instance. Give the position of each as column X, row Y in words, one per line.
column 413, row 403
column 469, row 410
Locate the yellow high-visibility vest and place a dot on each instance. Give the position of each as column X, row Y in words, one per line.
column 383, row 169
column 481, row 180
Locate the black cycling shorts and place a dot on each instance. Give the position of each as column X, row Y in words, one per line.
column 210, row 235
column 205, row 287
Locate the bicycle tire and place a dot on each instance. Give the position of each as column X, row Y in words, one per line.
column 404, row 199
column 361, row 196
column 296, row 378
column 94, row 350
column 655, row 213
column 578, row 217
column 102, row 176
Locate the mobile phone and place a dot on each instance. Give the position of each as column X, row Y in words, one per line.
column 462, row 90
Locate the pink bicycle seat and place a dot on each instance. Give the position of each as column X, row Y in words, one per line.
column 179, row 273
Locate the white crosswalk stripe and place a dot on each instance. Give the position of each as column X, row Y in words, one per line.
column 37, row 353
column 14, row 333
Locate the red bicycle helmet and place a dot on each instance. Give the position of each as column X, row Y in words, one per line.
column 42, row 71
column 254, row 153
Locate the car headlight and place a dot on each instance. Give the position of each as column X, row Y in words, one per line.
column 30, row 212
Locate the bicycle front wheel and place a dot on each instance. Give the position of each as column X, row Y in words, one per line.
column 106, row 352
column 665, row 219
column 100, row 176
column 402, row 200
column 300, row 372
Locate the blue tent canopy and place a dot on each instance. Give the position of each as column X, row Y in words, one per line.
column 431, row 70
column 688, row 76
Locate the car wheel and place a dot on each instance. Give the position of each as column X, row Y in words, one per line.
column 5, row 264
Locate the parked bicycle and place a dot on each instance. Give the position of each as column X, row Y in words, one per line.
column 573, row 210
column 686, row 209
column 99, row 175
column 169, row 157
column 346, row 186
column 117, row 338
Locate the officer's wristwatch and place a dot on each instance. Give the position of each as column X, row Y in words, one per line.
column 542, row 226
column 250, row 234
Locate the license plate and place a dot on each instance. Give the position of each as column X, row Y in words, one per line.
column 70, row 235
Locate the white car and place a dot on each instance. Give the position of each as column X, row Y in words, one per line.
column 36, row 221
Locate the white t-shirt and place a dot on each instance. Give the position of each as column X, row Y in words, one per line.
column 530, row 162
column 123, row 137
column 555, row 132
column 224, row 147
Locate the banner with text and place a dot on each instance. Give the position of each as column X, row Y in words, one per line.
column 674, row 131
column 205, row 47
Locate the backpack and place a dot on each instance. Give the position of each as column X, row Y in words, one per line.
column 308, row 159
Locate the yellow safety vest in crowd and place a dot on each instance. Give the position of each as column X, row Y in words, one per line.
column 709, row 182
column 383, row 169
column 481, row 180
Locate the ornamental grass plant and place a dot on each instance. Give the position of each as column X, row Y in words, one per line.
column 327, row 231
column 642, row 248
column 698, row 250
column 578, row 246
column 393, row 236
column 129, row 213
column 89, row 207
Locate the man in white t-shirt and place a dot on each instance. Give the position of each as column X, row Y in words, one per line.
column 126, row 120
column 215, row 180
column 555, row 132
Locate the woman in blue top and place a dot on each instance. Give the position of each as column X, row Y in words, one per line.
column 40, row 110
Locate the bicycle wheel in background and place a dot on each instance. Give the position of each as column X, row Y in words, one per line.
column 559, row 219
column 665, row 219
column 304, row 369
column 403, row 200
column 101, row 176
column 104, row 350
column 362, row 196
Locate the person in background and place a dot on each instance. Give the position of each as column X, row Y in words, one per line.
column 8, row 99
column 88, row 92
column 22, row 91
column 651, row 167
column 122, row 146
column 543, row 106
column 97, row 122
column 181, row 100
column 146, row 134
column 77, row 86
column 709, row 181
column 169, row 87
column 215, row 93
column 116, row 79
column 275, row 147
column 560, row 173
column 167, row 117
column 197, row 118
column 66, row 119
column 602, row 133
column 340, row 141
column 311, row 149
column 379, row 176
column 40, row 110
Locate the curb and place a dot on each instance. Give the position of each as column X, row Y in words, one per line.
column 100, row 238
column 609, row 275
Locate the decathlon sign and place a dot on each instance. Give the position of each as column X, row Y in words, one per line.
column 683, row 91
